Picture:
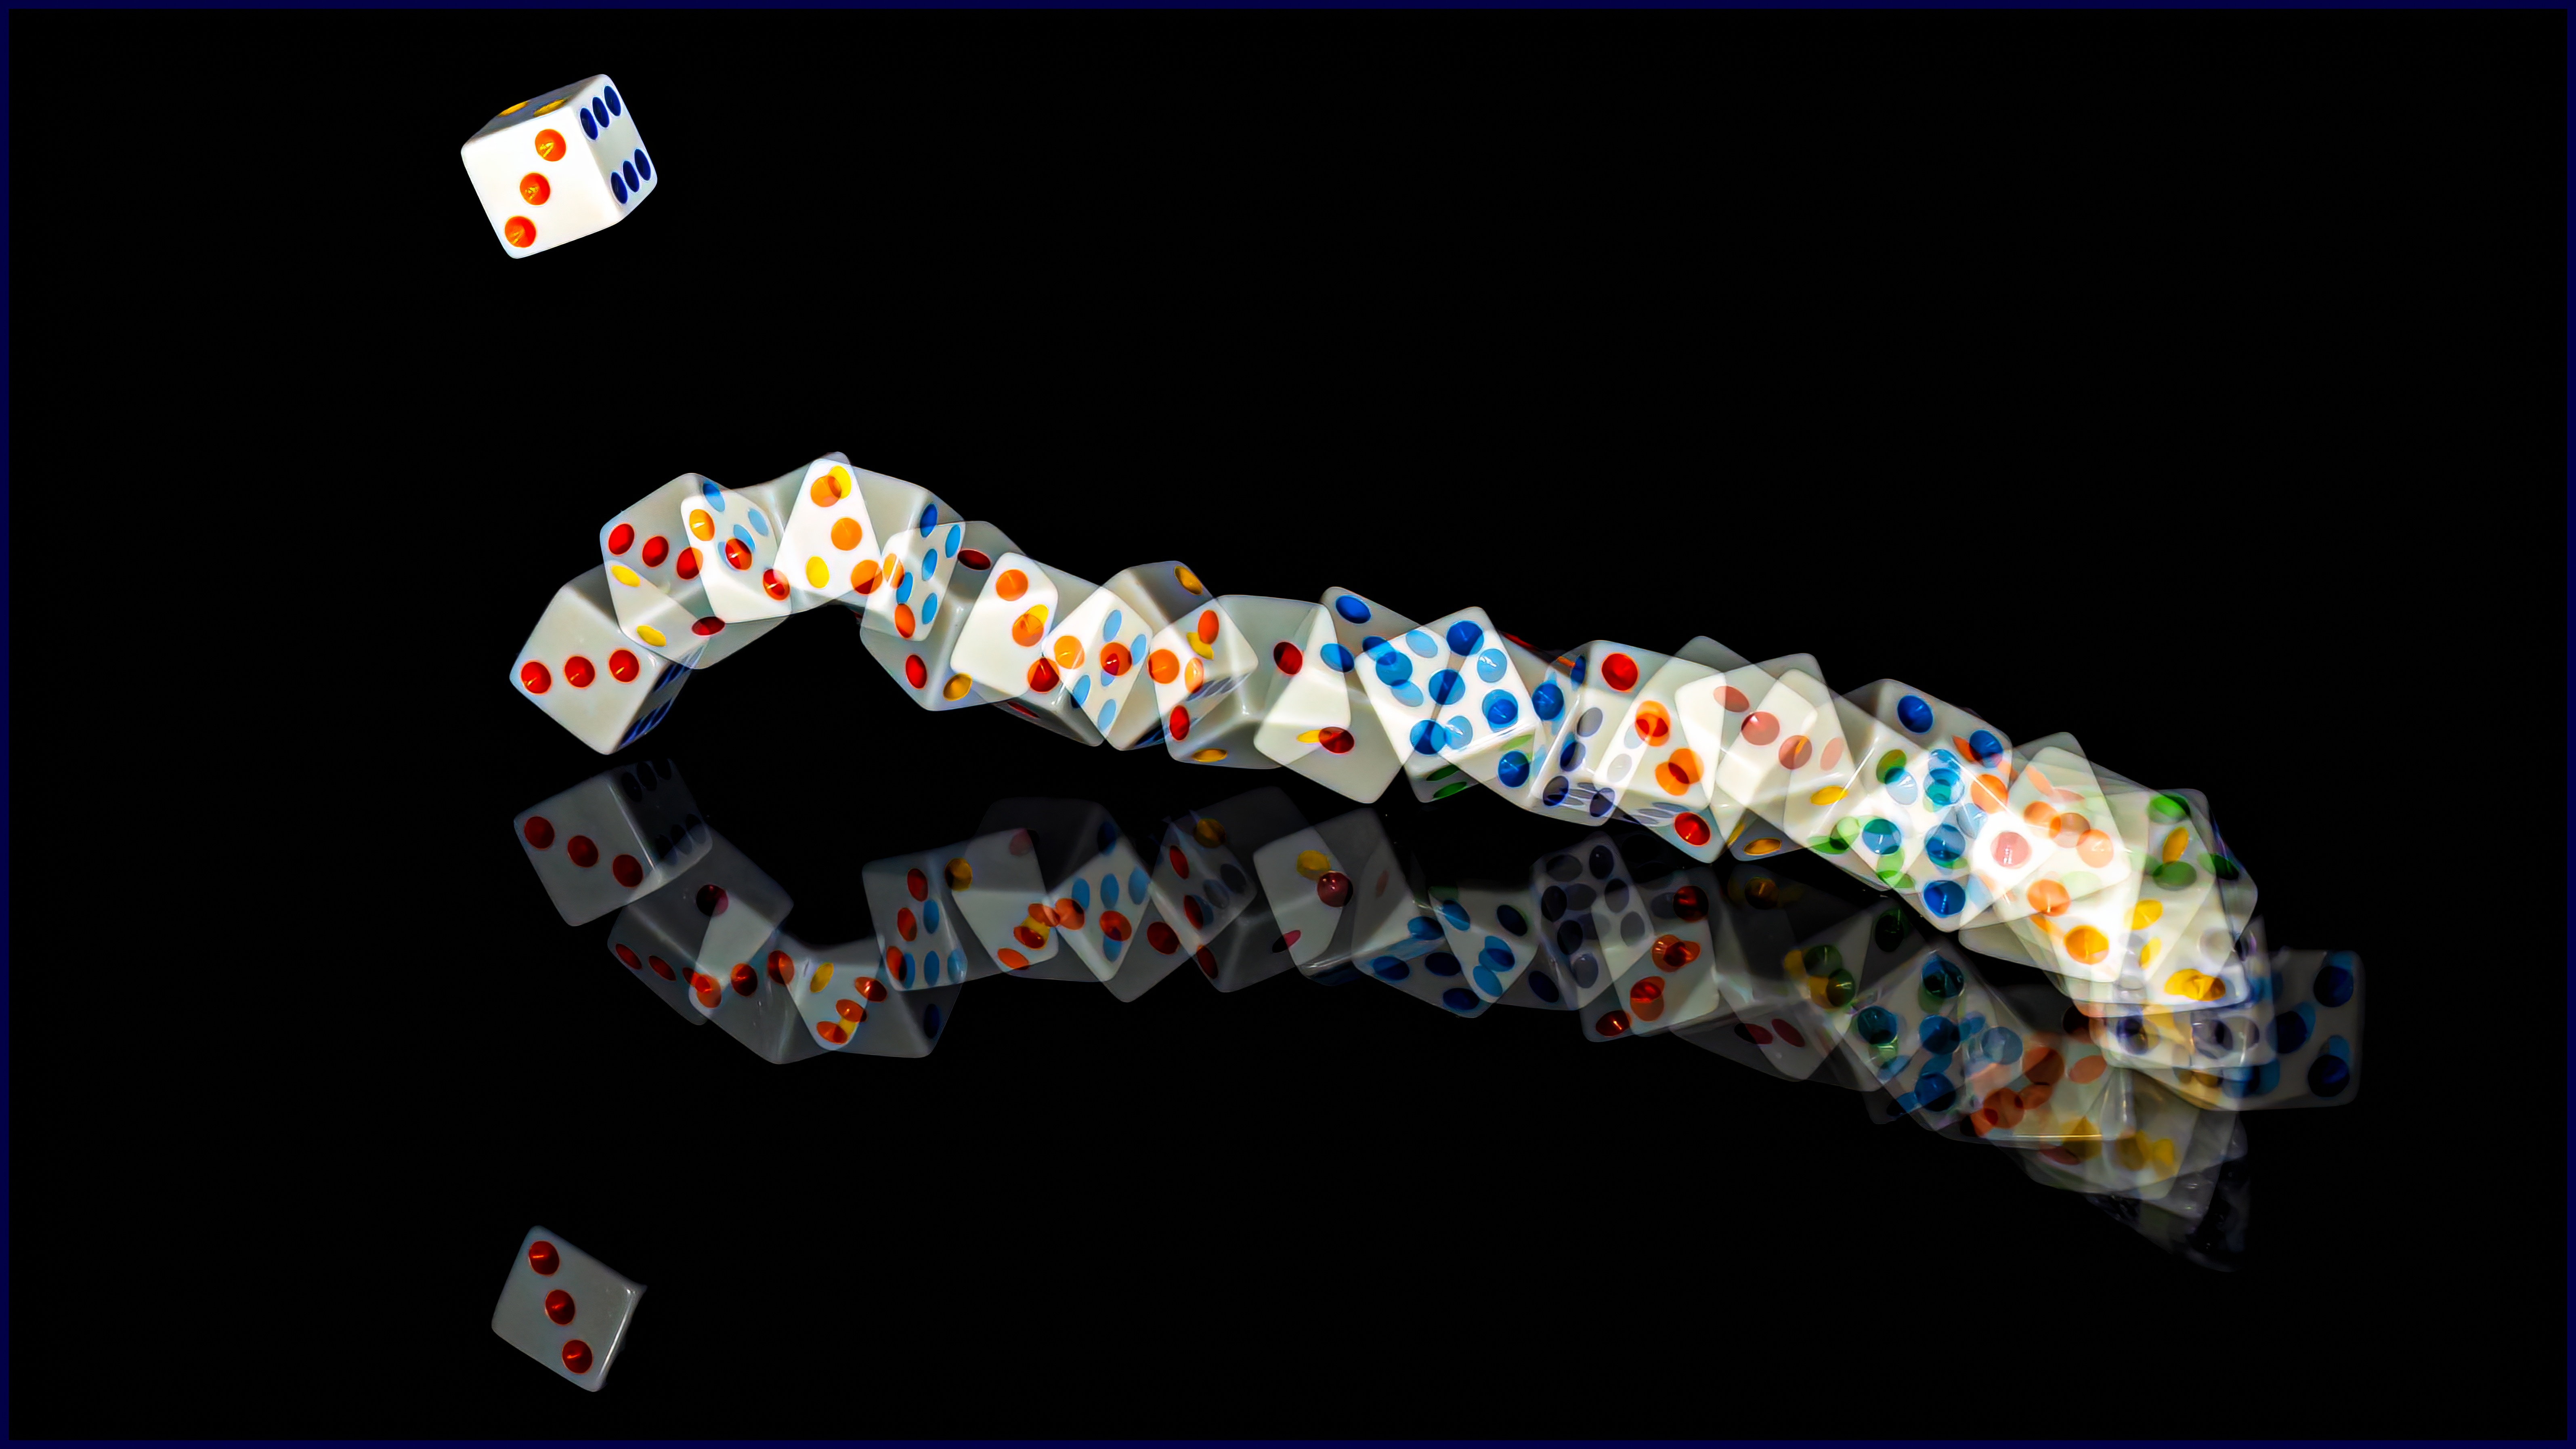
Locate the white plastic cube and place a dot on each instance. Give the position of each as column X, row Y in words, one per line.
column 558, row 166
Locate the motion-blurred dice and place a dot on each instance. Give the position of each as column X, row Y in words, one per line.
column 562, row 165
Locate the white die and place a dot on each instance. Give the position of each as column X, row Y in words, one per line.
column 579, row 669
column 562, row 165
column 565, row 1308
column 613, row 838
column 840, row 993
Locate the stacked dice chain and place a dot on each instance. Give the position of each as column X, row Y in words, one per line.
column 2027, row 851
column 1808, row 976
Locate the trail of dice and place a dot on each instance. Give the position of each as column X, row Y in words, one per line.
column 1806, row 976
column 1713, row 754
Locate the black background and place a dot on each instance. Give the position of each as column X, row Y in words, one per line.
column 2186, row 384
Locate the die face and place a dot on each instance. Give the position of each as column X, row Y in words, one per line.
column 1338, row 894
column 1308, row 889
column 1026, row 643
column 1906, row 1035
column 1667, row 791
column 1247, row 712
column 2146, row 1022
column 1927, row 780
column 565, row 1308
column 1482, row 723
column 560, row 166
column 653, row 956
column 616, row 147
column 1341, row 745
column 1769, row 734
column 1204, row 672
column 613, row 838
column 1385, row 674
column 1202, row 876
column 1493, row 931
column 915, row 580
column 587, row 676
column 2048, row 845
column 1100, row 905
column 928, row 585
column 829, row 547
column 924, row 943
column 1673, row 982
column 1153, row 954
column 896, row 510
column 1111, row 638
column 657, row 577
column 1154, row 597
column 1395, row 938
column 846, row 1004
column 755, row 1001
column 1588, row 758
column 724, row 913
column 736, row 541
column 999, row 893
column 1592, row 918
column 1198, row 885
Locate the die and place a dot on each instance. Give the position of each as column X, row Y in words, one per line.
column 736, row 534
column 840, row 994
column 1928, row 778
column 1154, row 953
column 2032, row 1086
column 1481, row 724
column 1668, row 791
column 997, row 887
column 1384, row 680
column 1322, row 725
column 2314, row 1035
column 929, row 583
column 1304, row 704
column 1246, row 953
column 830, row 547
column 582, row 671
column 1588, row 753
column 655, row 957
column 2167, row 1140
column 1216, row 672
column 1098, row 887
column 1340, row 895
column 1161, row 595
column 724, row 914
column 1593, row 926
column 922, row 942
column 1492, row 929
column 2050, row 843
column 1674, row 982
column 559, row 166
column 1795, row 956
column 1028, row 639
column 1202, row 876
column 565, row 1308
column 896, row 510
column 615, row 837
column 657, row 576
column 1076, row 869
